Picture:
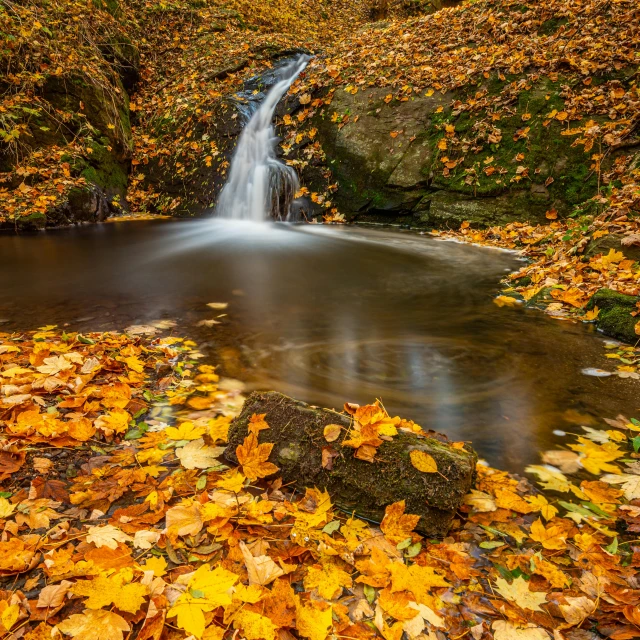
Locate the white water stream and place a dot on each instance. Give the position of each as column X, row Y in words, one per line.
column 260, row 186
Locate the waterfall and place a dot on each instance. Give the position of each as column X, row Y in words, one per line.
column 260, row 186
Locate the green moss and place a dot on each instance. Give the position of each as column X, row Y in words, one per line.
column 615, row 317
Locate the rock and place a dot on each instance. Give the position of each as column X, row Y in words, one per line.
column 615, row 317
column 383, row 154
column 356, row 485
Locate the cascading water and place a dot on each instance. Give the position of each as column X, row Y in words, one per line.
column 260, row 186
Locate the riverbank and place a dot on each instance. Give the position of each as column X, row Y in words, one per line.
column 113, row 485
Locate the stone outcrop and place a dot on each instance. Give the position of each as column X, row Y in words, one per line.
column 366, row 488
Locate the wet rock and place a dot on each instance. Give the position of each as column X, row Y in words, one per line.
column 296, row 429
column 615, row 317
column 384, row 155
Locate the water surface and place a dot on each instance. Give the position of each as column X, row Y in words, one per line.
column 329, row 314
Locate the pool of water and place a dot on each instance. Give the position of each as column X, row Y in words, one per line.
column 331, row 314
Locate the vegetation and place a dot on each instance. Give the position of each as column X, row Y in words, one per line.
column 119, row 517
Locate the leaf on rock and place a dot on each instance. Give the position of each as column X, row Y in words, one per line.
column 254, row 458
column 397, row 526
column 422, row 461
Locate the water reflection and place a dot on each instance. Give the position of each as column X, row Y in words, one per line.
column 328, row 315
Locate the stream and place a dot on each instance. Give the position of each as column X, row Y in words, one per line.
column 328, row 315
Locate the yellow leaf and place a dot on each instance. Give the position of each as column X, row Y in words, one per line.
column 94, row 625
column 207, row 590
column 105, row 591
column 518, row 592
column 328, row 579
column 332, row 432
column 422, row 461
column 10, row 616
column 397, row 526
column 115, row 421
column 107, row 536
column 254, row 458
column 541, row 504
column 314, row 620
column 6, row 508
column 593, row 314
column 232, row 480
column 219, row 428
column 506, row 301
column 185, row 431
column 198, row 455
column 254, row 626
column 596, row 458
column 257, row 423
column 552, row 537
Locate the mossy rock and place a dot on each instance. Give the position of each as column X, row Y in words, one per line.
column 615, row 317
column 366, row 488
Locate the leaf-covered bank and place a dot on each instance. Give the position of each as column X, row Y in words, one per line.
column 119, row 518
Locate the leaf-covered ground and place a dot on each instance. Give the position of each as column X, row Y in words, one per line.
column 120, row 519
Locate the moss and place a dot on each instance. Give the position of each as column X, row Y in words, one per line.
column 296, row 429
column 615, row 317
column 552, row 25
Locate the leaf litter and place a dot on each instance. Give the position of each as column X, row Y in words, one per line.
column 121, row 519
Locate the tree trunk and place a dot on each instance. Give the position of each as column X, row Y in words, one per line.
column 296, row 429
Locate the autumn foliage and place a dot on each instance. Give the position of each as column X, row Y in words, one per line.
column 144, row 532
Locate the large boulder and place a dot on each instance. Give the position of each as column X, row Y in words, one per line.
column 393, row 159
column 614, row 318
column 366, row 488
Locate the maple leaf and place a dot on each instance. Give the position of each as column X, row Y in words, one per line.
column 254, row 458
column 232, row 480
column 254, row 626
column 397, row 526
column 54, row 365
column 375, row 569
column 576, row 609
column 107, row 536
column 518, row 592
column 105, row 591
column 314, row 620
column 480, row 501
column 596, row 458
column 416, row 579
column 198, row 455
column 184, row 519
column 94, row 625
column 207, row 590
column 185, row 431
column 505, row 630
column 328, row 579
column 552, row 537
column 6, row 508
column 114, row 421
column 257, row 423
column 630, row 484
column 261, row 569
column 219, row 428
